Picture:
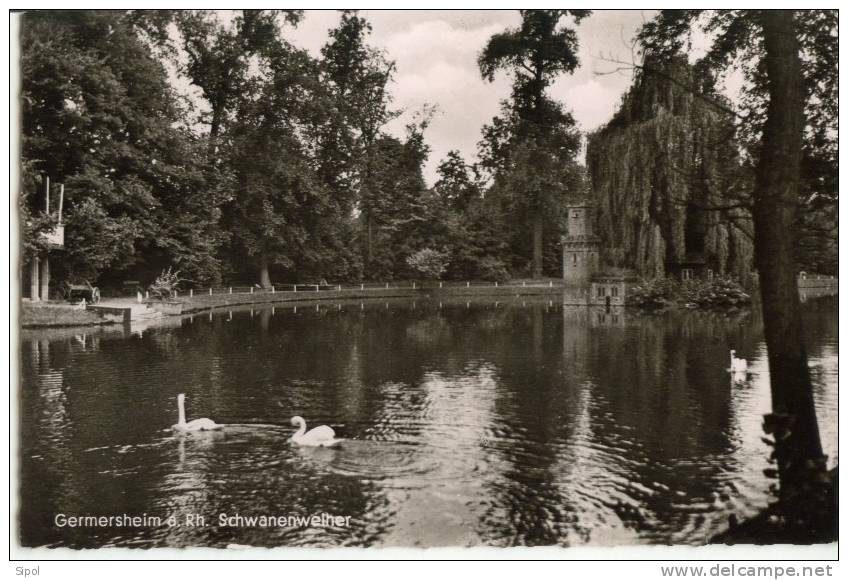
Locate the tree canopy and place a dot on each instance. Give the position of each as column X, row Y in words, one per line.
column 534, row 142
column 281, row 168
column 99, row 116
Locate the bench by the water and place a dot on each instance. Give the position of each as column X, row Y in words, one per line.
column 130, row 287
column 77, row 292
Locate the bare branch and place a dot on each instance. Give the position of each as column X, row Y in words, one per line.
column 527, row 68
column 709, row 100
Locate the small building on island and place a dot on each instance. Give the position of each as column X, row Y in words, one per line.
column 609, row 288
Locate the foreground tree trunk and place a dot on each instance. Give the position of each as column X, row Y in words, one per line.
column 264, row 273
column 538, row 231
column 798, row 451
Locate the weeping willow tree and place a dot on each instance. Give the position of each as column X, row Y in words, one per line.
column 668, row 182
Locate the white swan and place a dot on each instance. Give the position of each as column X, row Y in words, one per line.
column 737, row 365
column 322, row 436
column 194, row 425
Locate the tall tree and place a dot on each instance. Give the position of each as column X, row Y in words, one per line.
column 357, row 76
column 402, row 207
column 768, row 45
column 219, row 54
column 535, row 54
column 531, row 169
column 99, row 116
column 279, row 204
column 245, row 68
column 799, row 451
column 470, row 226
column 456, row 185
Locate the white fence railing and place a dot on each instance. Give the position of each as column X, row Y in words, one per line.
column 368, row 286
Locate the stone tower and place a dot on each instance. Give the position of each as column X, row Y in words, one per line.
column 580, row 246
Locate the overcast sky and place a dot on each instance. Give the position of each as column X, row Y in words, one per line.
column 436, row 54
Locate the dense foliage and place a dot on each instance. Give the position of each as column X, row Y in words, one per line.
column 429, row 263
column 280, row 167
column 662, row 292
column 738, row 46
column 652, row 294
column 668, row 180
column 100, row 117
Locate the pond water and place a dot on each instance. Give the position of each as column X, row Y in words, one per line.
column 521, row 422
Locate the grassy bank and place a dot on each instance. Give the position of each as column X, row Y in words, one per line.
column 39, row 314
column 205, row 301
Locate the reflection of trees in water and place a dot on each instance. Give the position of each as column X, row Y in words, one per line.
column 646, row 395
column 45, row 455
column 430, row 330
column 68, row 407
column 821, row 328
column 663, row 392
column 652, row 389
column 537, row 410
column 325, row 366
column 580, row 472
column 456, row 412
column 526, row 407
column 102, row 450
column 456, row 340
column 75, row 461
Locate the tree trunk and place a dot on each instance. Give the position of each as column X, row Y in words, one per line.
column 215, row 124
column 538, row 212
column 369, row 254
column 365, row 196
column 264, row 273
column 798, row 450
column 538, row 231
